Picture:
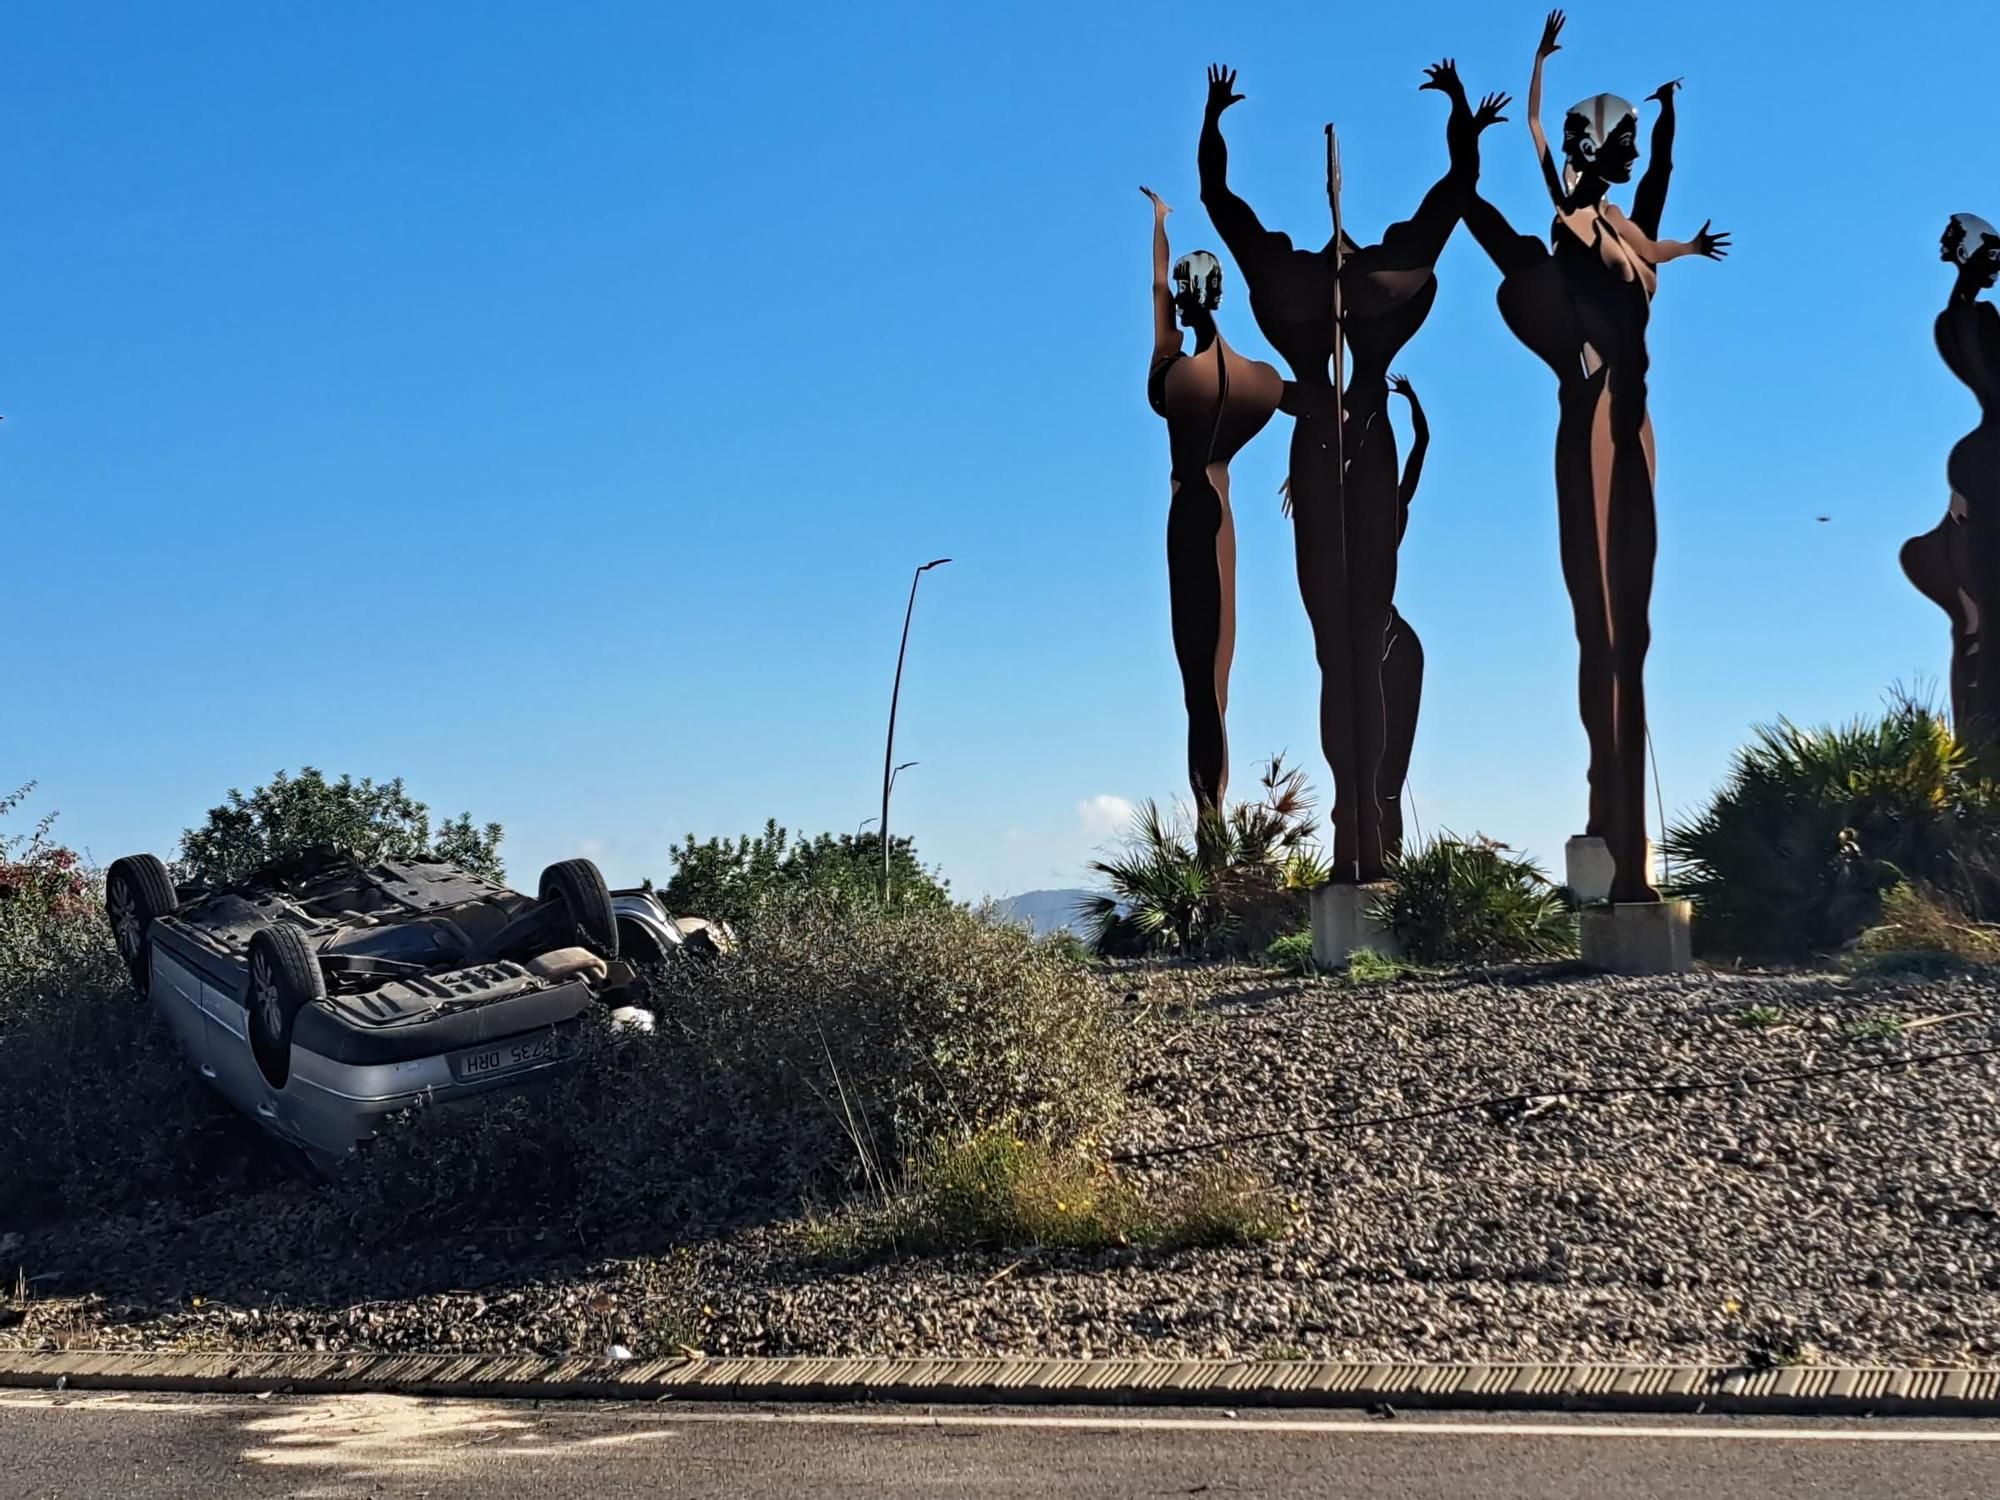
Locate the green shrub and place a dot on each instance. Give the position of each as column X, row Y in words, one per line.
column 1812, row 826
column 821, row 1055
column 729, row 882
column 906, row 1022
column 1293, row 951
column 1214, row 885
column 374, row 820
column 1458, row 902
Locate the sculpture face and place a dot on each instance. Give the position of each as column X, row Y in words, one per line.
column 1601, row 137
column 1197, row 284
column 1966, row 236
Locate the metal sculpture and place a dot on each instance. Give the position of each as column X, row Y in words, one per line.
column 1956, row 564
column 1582, row 304
column 1364, row 303
column 1402, row 653
column 1214, row 402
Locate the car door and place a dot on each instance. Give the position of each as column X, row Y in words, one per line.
column 175, row 990
column 231, row 1063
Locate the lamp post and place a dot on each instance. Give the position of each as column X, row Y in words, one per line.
column 895, row 694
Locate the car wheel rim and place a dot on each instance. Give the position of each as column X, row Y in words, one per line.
column 125, row 920
column 270, row 1008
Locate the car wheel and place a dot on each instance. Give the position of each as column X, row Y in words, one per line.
column 580, row 887
column 284, row 978
column 136, row 890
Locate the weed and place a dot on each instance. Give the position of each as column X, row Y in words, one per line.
column 1759, row 1017
column 1875, row 1028
column 1920, row 919
column 1293, row 953
column 995, row 1190
column 1364, row 966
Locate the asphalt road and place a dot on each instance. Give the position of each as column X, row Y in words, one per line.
column 92, row 1445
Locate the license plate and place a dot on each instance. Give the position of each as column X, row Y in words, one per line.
column 504, row 1057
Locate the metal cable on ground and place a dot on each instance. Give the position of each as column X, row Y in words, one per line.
column 1531, row 1096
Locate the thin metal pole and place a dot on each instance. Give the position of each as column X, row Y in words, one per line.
column 895, row 695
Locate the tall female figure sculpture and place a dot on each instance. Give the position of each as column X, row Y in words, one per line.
column 1582, row 304
column 1956, row 564
column 1402, row 652
column 1214, row 401
column 1342, row 480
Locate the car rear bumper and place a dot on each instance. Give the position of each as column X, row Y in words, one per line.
column 329, row 1107
column 384, row 1088
column 344, row 1032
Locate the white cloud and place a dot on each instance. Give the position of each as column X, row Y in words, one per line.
column 1104, row 814
column 591, row 849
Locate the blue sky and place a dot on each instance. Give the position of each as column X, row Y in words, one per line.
column 548, row 404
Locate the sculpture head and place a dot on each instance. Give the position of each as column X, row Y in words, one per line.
column 1197, row 286
column 1967, row 236
column 1601, row 138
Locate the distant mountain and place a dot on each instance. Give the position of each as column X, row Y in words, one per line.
column 1044, row 911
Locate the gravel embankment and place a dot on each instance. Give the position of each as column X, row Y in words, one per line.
column 1848, row 1219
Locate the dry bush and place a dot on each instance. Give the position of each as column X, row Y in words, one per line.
column 1920, row 921
column 993, row 1190
column 831, row 1046
column 97, row 1108
column 835, row 1040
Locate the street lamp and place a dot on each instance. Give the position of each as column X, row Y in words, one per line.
column 895, row 694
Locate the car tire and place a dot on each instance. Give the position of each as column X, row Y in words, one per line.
column 284, row 979
column 579, row 885
column 136, row 890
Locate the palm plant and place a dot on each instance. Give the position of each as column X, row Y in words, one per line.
column 1472, row 902
column 1194, row 883
column 1160, row 894
column 1812, row 826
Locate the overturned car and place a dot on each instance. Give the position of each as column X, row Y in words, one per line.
column 321, row 994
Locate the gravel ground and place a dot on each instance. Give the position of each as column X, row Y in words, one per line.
column 1847, row 1219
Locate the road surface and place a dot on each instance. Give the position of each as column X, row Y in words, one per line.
column 88, row 1445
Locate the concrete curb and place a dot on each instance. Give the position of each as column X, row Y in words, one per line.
column 1795, row 1391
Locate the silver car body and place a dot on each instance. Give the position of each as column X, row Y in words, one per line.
column 327, row 1108
column 428, row 1039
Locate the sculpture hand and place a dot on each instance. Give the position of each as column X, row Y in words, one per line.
column 1400, row 384
column 1221, row 89
column 1714, row 246
column 1489, row 109
column 1551, row 29
column 1160, row 207
column 1443, row 76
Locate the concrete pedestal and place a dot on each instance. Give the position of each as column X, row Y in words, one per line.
column 1588, row 868
column 1653, row 937
column 1345, row 920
